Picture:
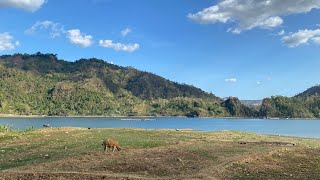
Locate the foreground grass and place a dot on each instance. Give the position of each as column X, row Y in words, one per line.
column 76, row 153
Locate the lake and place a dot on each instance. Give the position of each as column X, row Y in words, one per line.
column 298, row 128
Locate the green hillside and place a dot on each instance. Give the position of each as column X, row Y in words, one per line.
column 294, row 107
column 41, row 84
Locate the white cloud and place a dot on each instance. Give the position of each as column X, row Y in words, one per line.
column 230, row 80
column 7, row 42
column 316, row 39
column 249, row 14
column 125, row 32
column 281, row 33
column 55, row 29
column 78, row 38
column 119, row 46
column 28, row 5
column 258, row 83
column 302, row 37
column 75, row 36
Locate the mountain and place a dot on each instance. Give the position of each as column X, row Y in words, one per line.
column 313, row 91
column 303, row 105
column 42, row 84
column 237, row 109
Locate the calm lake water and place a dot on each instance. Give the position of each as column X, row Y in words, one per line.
column 299, row 128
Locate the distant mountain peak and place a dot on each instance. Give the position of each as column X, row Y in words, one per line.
column 313, row 91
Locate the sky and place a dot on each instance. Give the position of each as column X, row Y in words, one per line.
column 250, row 49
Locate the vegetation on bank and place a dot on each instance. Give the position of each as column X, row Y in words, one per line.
column 76, row 153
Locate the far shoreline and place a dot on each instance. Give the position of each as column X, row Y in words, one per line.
column 185, row 130
column 144, row 117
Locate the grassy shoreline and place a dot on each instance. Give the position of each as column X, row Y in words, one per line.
column 146, row 117
column 76, row 153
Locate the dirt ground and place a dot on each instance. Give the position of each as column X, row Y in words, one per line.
column 200, row 156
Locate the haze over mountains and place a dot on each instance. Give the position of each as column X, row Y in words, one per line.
column 41, row 84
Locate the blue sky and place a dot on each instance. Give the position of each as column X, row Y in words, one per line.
column 244, row 48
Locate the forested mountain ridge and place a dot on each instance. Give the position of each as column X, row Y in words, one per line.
column 304, row 105
column 41, row 84
column 142, row 84
column 313, row 91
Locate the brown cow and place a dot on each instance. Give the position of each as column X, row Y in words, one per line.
column 110, row 143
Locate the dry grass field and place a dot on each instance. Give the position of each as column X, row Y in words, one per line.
column 76, row 153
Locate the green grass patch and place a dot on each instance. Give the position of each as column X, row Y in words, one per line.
column 5, row 128
column 35, row 158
